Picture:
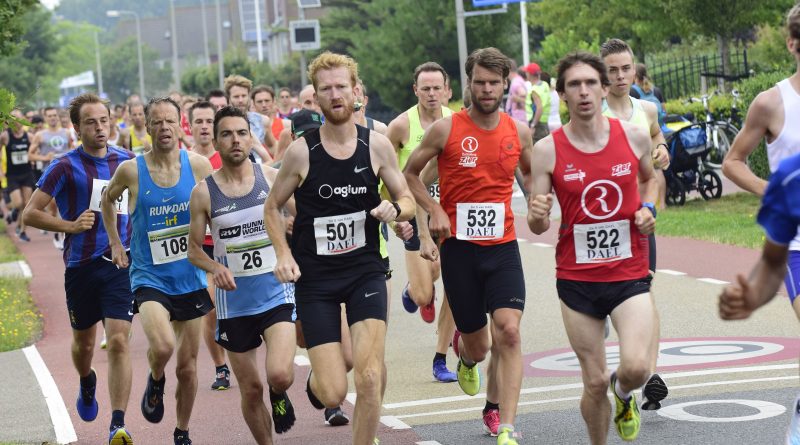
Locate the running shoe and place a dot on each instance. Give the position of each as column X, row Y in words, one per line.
column 491, row 422
column 282, row 412
column 607, row 329
column 408, row 303
column 87, row 403
column 24, row 237
column 469, row 379
column 182, row 439
column 153, row 400
column 793, row 433
column 120, row 436
column 336, row 417
column 428, row 312
column 14, row 215
column 456, row 336
column 58, row 241
column 104, row 341
column 507, row 437
column 441, row 373
column 626, row 416
column 311, row 397
column 654, row 391
column 223, row 380
column 17, row 230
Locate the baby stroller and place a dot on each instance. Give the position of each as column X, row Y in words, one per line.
column 688, row 149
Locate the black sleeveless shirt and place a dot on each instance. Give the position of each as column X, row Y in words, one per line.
column 334, row 233
column 17, row 154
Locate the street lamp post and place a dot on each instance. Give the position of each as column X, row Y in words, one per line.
column 220, row 53
column 176, row 74
column 117, row 13
column 99, row 65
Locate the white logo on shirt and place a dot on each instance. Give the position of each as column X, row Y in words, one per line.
column 603, row 199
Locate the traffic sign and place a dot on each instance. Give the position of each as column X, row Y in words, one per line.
column 304, row 34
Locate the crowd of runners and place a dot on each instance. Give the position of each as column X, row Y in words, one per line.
column 250, row 216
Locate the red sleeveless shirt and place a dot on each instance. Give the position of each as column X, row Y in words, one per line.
column 599, row 194
column 476, row 176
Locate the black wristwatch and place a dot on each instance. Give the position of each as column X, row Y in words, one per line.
column 397, row 208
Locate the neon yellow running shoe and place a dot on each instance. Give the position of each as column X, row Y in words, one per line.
column 469, row 379
column 626, row 416
column 506, row 437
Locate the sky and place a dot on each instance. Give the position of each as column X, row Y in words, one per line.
column 50, row 4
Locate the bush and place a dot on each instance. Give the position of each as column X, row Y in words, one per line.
column 720, row 106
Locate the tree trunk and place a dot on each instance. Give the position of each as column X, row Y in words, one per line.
column 723, row 45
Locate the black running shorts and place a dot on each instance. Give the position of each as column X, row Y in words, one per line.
column 480, row 279
column 183, row 307
column 318, row 304
column 96, row 291
column 597, row 299
column 241, row 334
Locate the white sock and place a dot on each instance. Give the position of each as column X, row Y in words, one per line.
column 618, row 389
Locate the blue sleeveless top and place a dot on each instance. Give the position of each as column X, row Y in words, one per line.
column 160, row 239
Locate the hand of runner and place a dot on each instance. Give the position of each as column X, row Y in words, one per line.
column 661, row 158
column 385, row 212
column 644, row 220
column 223, row 278
column 287, row 270
column 119, row 256
column 84, row 222
column 540, row 206
column 733, row 300
column 439, row 224
column 403, row 230
column 428, row 249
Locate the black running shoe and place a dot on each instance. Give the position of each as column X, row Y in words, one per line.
column 336, row 417
column 311, row 397
column 153, row 401
column 654, row 391
column 182, row 439
column 223, row 380
column 282, row 412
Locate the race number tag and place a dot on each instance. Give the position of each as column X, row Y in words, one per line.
column 98, row 187
column 340, row 234
column 250, row 258
column 480, row 221
column 602, row 242
column 19, row 157
column 433, row 190
column 168, row 245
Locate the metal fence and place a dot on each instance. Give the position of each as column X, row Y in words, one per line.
column 682, row 76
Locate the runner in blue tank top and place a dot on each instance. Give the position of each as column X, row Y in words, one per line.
column 167, row 287
column 251, row 303
column 96, row 290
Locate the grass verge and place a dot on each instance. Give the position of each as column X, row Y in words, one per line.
column 20, row 320
column 728, row 220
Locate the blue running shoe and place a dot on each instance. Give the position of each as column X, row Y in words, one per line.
column 408, row 303
column 441, row 373
column 86, row 403
column 153, row 399
column 120, row 436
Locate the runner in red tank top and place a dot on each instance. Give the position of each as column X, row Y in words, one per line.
column 201, row 117
column 592, row 163
column 478, row 150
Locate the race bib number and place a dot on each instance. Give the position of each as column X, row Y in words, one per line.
column 98, row 187
column 602, row 242
column 169, row 245
column 19, row 157
column 250, row 258
column 480, row 221
column 340, row 234
column 433, row 190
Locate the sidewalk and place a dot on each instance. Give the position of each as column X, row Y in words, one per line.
column 25, row 416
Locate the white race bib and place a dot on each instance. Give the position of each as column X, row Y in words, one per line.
column 433, row 190
column 250, row 257
column 480, row 221
column 602, row 242
column 168, row 245
column 98, row 187
column 340, row 234
column 19, row 157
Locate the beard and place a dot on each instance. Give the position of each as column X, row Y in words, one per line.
column 476, row 103
column 233, row 160
column 337, row 117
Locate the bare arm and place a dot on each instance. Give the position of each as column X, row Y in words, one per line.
column 659, row 144
column 756, row 127
column 537, row 101
column 526, row 141
column 262, row 152
column 738, row 300
column 201, row 167
column 293, row 169
column 33, row 150
column 125, row 175
column 35, row 215
column 200, row 208
column 543, row 160
column 397, row 132
column 284, row 139
column 388, row 171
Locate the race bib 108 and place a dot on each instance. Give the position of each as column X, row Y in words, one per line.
column 169, row 245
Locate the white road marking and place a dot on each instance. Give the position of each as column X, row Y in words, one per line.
column 712, row 281
column 26, row 270
column 351, row 397
column 394, row 423
column 567, row 386
column 670, row 272
column 301, row 360
column 428, row 442
column 65, row 432
column 765, row 411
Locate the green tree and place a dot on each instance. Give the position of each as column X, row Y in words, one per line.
column 121, row 71
column 12, row 13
